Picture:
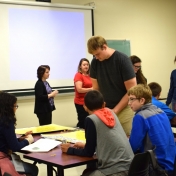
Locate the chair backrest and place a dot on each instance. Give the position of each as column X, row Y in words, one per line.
column 6, row 174
column 140, row 165
column 152, row 158
column 155, row 169
column 175, row 167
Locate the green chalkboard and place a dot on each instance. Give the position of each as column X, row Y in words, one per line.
column 120, row 45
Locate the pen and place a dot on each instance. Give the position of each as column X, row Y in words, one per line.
column 23, row 135
column 64, row 141
column 27, row 133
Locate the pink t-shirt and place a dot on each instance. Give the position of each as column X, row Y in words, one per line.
column 86, row 83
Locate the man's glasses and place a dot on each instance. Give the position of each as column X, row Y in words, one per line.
column 16, row 106
column 138, row 67
column 130, row 100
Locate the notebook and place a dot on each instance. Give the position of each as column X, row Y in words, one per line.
column 42, row 145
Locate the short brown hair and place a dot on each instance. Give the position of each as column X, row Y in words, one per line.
column 141, row 91
column 155, row 88
column 41, row 70
column 95, row 42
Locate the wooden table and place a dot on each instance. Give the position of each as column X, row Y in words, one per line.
column 58, row 159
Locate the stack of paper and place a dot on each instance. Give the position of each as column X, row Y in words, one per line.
column 173, row 129
column 72, row 137
column 42, row 145
column 43, row 129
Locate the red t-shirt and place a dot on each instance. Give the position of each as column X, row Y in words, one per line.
column 86, row 83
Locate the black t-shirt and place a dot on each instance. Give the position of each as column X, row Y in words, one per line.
column 111, row 75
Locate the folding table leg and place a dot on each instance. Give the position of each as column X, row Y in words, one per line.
column 60, row 171
column 49, row 170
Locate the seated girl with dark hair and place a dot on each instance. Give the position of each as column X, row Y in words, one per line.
column 8, row 141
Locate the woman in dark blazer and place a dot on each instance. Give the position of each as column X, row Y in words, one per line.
column 44, row 96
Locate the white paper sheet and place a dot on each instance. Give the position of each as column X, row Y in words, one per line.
column 42, row 145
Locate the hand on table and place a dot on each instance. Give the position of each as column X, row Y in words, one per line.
column 79, row 145
column 30, row 138
column 64, row 147
column 24, row 135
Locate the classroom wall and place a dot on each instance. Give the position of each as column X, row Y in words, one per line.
column 149, row 25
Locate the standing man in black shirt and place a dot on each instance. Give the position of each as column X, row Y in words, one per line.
column 112, row 74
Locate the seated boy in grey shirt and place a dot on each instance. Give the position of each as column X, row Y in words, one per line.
column 105, row 136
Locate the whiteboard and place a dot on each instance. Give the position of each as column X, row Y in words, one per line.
column 36, row 33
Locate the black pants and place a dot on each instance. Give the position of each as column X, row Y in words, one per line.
column 82, row 114
column 45, row 118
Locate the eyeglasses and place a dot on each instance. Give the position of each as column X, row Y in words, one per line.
column 137, row 67
column 16, row 106
column 130, row 100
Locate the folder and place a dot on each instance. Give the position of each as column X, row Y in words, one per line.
column 42, row 145
column 43, row 129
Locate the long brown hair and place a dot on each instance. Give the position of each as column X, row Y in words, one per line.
column 139, row 75
column 79, row 65
column 7, row 102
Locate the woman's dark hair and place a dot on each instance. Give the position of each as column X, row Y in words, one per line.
column 41, row 70
column 93, row 100
column 175, row 60
column 7, row 102
column 80, row 62
column 139, row 75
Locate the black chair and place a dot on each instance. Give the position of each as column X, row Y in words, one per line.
column 140, row 165
column 175, row 167
column 6, row 174
column 145, row 164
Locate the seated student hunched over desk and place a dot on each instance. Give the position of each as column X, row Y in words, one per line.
column 151, row 128
column 156, row 91
column 105, row 136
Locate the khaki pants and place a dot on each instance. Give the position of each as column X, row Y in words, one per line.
column 126, row 117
